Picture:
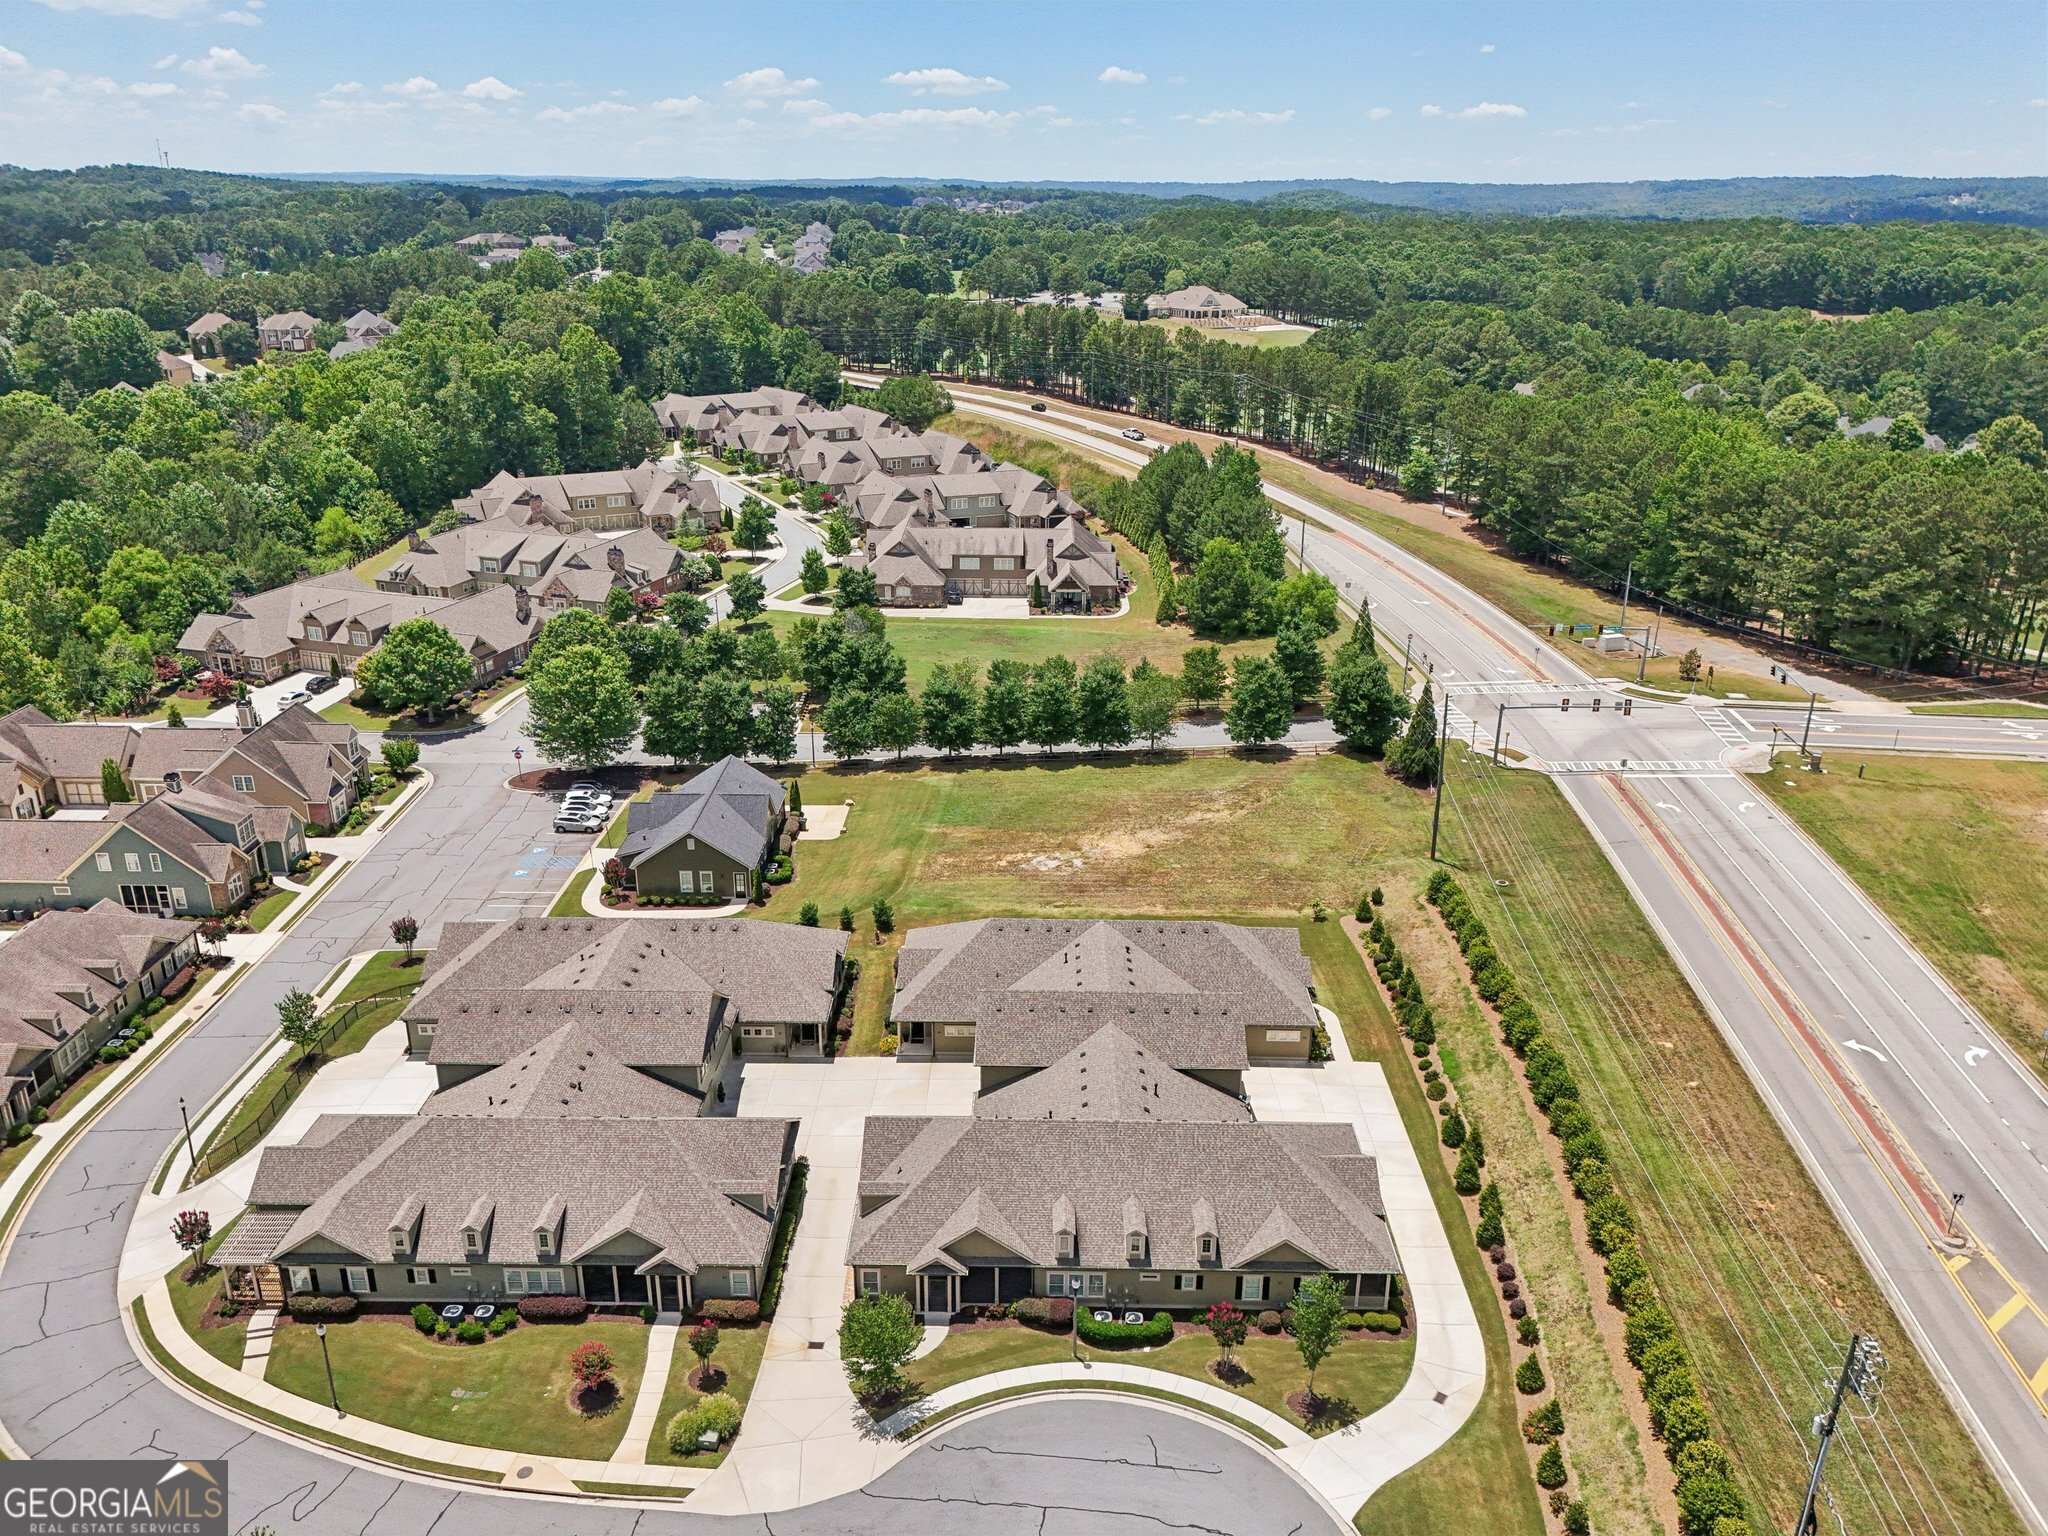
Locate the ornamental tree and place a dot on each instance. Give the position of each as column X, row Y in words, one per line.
column 704, row 1342
column 298, row 1020
column 591, row 1364
column 401, row 755
column 1227, row 1326
column 420, row 666
column 406, row 931
column 190, row 1230
column 877, row 1336
column 1318, row 1322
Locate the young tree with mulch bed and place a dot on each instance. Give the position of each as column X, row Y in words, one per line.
column 1229, row 1328
column 703, row 1344
column 1318, row 1324
column 592, row 1365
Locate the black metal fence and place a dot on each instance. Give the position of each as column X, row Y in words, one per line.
column 224, row 1148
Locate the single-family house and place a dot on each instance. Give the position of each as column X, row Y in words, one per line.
column 561, row 245
column 490, row 240
column 711, row 838
column 202, row 333
column 733, row 241
column 68, row 982
column 291, row 331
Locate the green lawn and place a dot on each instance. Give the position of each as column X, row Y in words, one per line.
column 739, row 1356
column 399, row 722
column 1604, row 1446
column 269, row 909
column 271, row 1093
column 1994, row 708
column 514, row 1390
column 226, row 1341
column 570, row 902
column 1241, row 338
column 1953, row 851
column 1362, row 1374
column 615, row 834
column 930, row 642
column 1762, row 1280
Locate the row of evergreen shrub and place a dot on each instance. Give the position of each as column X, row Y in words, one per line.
column 1709, row 1503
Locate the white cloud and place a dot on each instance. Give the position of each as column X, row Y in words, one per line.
column 1630, row 106
column 1116, row 74
column 2039, row 101
column 491, row 88
column 806, row 106
column 240, row 18
column 148, row 89
column 945, row 82
column 579, row 114
column 262, row 112
column 225, row 64
column 768, row 82
column 165, row 62
column 1379, row 112
column 1238, row 116
column 1486, row 47
column 10, row 60
column 917, row 117
column 345, row 88
column 1480, row 109
column 413, row 85
column 678, row 106
column 154, row 10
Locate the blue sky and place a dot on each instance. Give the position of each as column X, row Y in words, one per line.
column 1103, row 91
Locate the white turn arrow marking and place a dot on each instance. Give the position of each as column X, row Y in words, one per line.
column 1974, row 1054
column 1746, row 805
column 1666, row 805
column 1858, row 1045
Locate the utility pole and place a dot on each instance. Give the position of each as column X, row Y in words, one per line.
column 1807, row 734
column 1404, row 659
column 1499, row 721
column 1436, row 809
column 1628, row 583
column 1863, row 1374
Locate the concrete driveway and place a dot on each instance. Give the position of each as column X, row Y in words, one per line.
column 267, row 698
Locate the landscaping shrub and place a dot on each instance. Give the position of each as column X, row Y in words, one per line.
column 1609, row 1223
column 1382, row 1322
column 1518, row 1310
column 1269, row 1321
column 785, row 1234
column 1648, row 1324
column 719, row 1414
column 1453, row 1133
column 1542, row 1425
column 424, row 1318
column 1054, row 1312
column 731, row 1310
column 469, row 1331
column 1354, row 1321
column 441, row 1329
column 323, row 1309
column 1529, row 1376
column 1503, row 1270
column 1550, row 1467
column 502, row 1322
column 1527, row 1331
column 1465, row 1178
column 1509, row 1290
column 1704, row 1499
column 1156, row 1329
column 553, row 1309
column 1435, row 1090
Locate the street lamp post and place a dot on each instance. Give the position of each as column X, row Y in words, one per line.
column 320, row 1330
column 191, row 1157
column 1405, row 639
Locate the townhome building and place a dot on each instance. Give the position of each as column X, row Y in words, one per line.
column 144, row 855
column 291, row 331
column 677, row 999
column 68, row 982
column 701, row 414
column 331, row 622
column 1015, row 994
column 562, row 1172
column 556, row 570
column 650, row 495
column 1068, row 567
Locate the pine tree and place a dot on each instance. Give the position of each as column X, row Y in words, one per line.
column 1415, row 757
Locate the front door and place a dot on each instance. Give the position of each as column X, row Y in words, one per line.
column 668, row 1293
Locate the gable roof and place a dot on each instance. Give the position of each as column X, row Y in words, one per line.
column 731, row 806
column 572, row 1073
column 1110, row 1076
column 57, row 970
column 1251, row 1185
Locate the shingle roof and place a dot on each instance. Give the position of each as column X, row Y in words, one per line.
column 50, row 968
column 1258, row 1185
column 572, row 1073
column 674, row 1182
column 731, row 806
column 1110, row 1076
column 1035, row 988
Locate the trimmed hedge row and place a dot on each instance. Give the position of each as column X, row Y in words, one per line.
column 1156, row 1329
column 552, row 1309
column 322, row 1309
column 1056, row 1312
column 1709, row 1504
column 731, row 1309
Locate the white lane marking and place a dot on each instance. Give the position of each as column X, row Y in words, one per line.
column 1973, row 1055
column 1747, row 805
column 1868, row 1050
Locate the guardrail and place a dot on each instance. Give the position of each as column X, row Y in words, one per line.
column 220, row 1151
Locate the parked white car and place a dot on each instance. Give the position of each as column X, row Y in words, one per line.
column 580, row 821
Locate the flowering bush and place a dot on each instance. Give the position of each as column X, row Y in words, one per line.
column 591, row 1363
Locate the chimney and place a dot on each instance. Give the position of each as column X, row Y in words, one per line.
column 615, row 557
column 522, row 605
column 413, row 541
column 245, row 715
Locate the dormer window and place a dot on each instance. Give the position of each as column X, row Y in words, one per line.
column 314, row 632
column 1066, row 1245
column 1207, row 1246
column 400, row 1241
column 1137, row 1248
column 472, row 1240
column 543, row 1243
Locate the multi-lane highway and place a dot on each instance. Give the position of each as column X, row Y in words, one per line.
column 1893, row 1090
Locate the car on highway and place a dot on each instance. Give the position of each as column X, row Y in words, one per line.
column 1134, row 434
column 1038, row 405
column 321, row 683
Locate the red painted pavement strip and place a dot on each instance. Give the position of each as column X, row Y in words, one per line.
column 1819, row 1047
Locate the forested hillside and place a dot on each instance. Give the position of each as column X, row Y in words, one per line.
column 1676, row 407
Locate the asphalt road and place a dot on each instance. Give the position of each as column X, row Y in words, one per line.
column 71, row 1387
column 1791, row 959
